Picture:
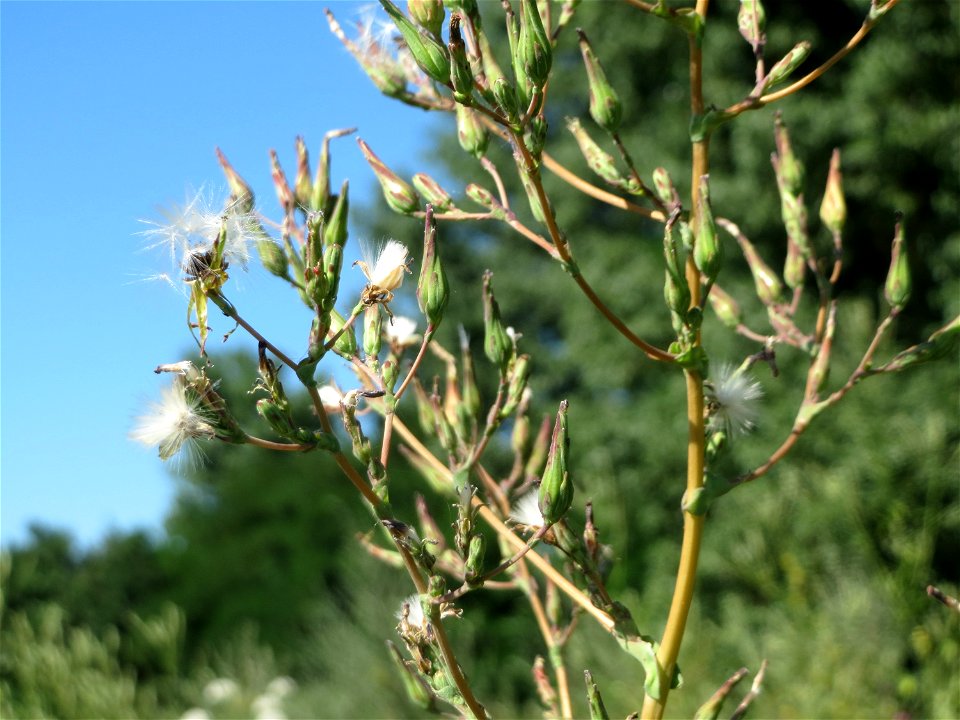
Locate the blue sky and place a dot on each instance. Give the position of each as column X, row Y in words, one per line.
column 109, row 110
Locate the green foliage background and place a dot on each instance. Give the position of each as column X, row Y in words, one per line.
column 820, row 567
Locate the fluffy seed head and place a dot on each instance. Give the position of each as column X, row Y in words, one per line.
column 173, row 423
column 384, row 265
column 526, row 510
column 732, row 396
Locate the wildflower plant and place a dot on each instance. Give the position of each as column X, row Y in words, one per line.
column 439, row 56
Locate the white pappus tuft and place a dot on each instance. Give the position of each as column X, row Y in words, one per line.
column 384, row 265
column 411, row 608
column 174, row 423
column 732, row 401
column 526, row 510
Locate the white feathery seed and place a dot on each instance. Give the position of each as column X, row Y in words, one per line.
column 732, row 397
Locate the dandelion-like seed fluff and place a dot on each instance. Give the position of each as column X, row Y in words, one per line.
column 383, row 267
column 732, row 401
column 173, row 423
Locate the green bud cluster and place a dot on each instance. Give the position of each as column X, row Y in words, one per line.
column 533, row 54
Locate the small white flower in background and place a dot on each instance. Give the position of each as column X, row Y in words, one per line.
column 526, row 510
column 281, row 687
column 331, row 398
column 411, row 605
column 190, row 230
column 384, row 265
column 174, row 422
column 267, row 707
column 220, row 690
column 402, row 331
column 731, row 401
column 513, row 334
column 195, row 714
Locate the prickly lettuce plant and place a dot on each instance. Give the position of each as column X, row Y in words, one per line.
column 441, row 56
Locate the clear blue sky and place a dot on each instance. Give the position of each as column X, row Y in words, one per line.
column 109, row 110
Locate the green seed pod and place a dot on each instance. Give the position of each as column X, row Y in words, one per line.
column 795, row 266
column 273, row 258
column 416, row 688
column 346, row 344
column 751, row 21
column 316, row 343
column 726, row 308
column 794, row 214
column 599, row 161
column 431, row 191
column 332, row 264
column 897, row 288
column 284, row 193
column 471, row 133
column 533, row 197
column 605, row 107
column 390, row 372
column 765, row 280
column 556, row 488
column 519, row 374
column 372, row 332
column 399, row 195
column 833, row 209
column 335, row 227
column 279, row 421
column 787, row 166
column 496, row 343
column 663, row 186
column 943, row 343
column 461, row 76
column 433, row 291
column 535, row 136
column 473, row 567
column 707, row 250
column 506, row 97
column 533, row 45
column 428, row 52
column 786, row 65
column 428, row 14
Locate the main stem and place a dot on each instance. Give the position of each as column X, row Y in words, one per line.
column 692, row 524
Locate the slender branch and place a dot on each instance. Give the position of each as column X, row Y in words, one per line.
column 230, row 311
column 692, row 524
column 427, row 336
column 282, row 447
column 755, row 103
column 598, row 193
column 332, row 340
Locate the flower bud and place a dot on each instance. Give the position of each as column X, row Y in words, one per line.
column 433, row 193
column 240, row 193
column 833, row 209
column 390, row 372
column 788, row 168
column 533, row 46
column 332, row 264
column 663, row 186
column 273, row 258
column 707, row 250
column 278, row 418
column 556, row 489
column 535, row 135
column 897, row 288
column 302, row 187
column 943, row 343
column 533, row 197
column 599, row 161
column 505, row 95
column 473, row 567
column 751, row 21
column 461, row 76
column 428, row 14
column 346, row 344
column 372, row 332
column 433, row 291
column 726, row 308
column 820, row 367
column 605, row 107
column 284, row 193
column 389, row 77
column 316, row 341
column 399, row 195
column 765, row 280
column 519, row 374
column 416, row 688
column 786, row 65
column 471, row 133
column 335, row 226
column 428, row 52
column 496, row 343
column 794, row 214
column 795, row 266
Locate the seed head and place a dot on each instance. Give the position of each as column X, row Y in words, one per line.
column 732, row 396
